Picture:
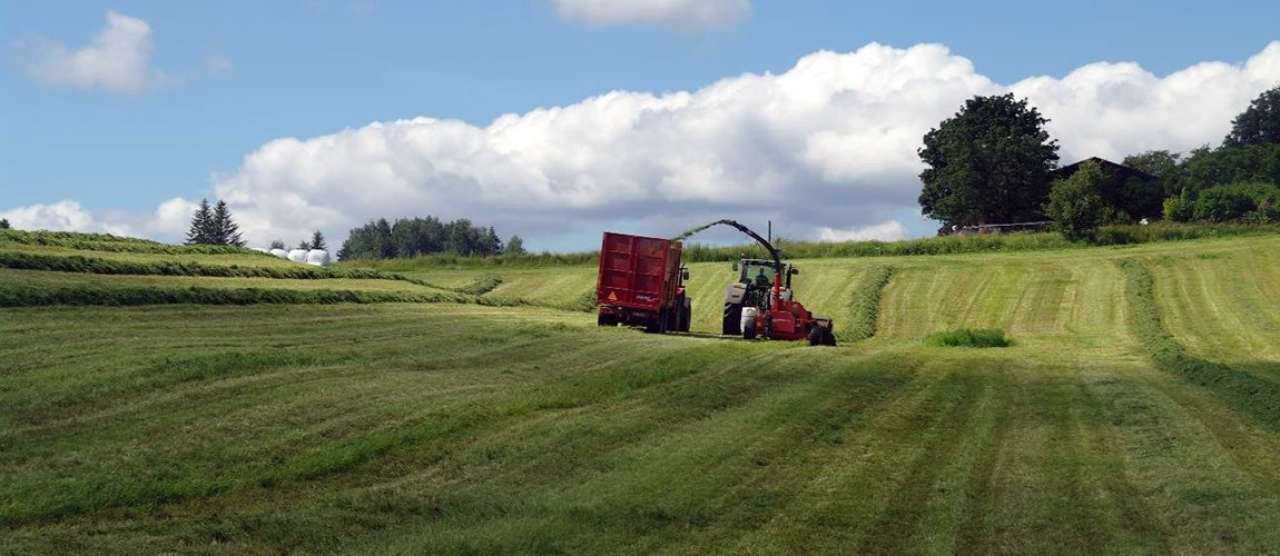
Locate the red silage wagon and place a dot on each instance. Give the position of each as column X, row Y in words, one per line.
column 641, row 283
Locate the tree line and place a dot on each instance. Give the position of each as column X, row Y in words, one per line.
column 411, row 237
column 994, row 162
column 213, row 226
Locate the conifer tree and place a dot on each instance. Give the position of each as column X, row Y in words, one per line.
column 198, row 234
column 224, row 229
column 317, row 241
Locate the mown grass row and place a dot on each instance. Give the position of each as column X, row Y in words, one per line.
column 1243, row 391
column 485, row 283
column 13, row 295
column 97, row 265
column 864, row 307
column 968, row 337
column 108, row 242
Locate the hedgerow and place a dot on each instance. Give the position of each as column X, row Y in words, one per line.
column 1244, row 391
column 97, row 265
column 941, row 245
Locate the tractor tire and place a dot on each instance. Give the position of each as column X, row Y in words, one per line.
column 829, row 338
column 658, row 325
column 732, row 319
column 816, row 335
column 686, row 316
column 749, row 330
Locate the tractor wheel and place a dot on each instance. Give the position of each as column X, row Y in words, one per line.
column 829, row 338
column 749, row 329
column 816, row 335
column 606, row 319
column 732, row 319
column 686, row 316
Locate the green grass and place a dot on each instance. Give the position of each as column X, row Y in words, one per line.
column 968, row 337
column 1138, row 411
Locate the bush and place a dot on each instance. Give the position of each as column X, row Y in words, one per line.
column 968, row 337
column 1241, row 201
column 1168, row 231
column 1076, row 205
column 1176, row 209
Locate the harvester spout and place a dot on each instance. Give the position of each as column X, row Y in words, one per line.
column 773, row 251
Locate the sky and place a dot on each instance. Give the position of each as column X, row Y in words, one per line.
column 557, row 119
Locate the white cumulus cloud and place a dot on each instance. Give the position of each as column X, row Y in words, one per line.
column 63, row 215
column 117, row 60
column 826, row 149
column 685, row 14
column 830, row 143
column 890, row 230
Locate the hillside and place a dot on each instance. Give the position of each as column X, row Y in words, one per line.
column 480, row 410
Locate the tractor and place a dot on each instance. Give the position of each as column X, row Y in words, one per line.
column 761, row 303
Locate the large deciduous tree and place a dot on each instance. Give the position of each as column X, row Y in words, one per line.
column 1259, row 124
column 990, row 163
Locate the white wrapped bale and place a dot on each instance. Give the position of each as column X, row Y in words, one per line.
column 298, row 255
column 318, row 257
column 280, row 253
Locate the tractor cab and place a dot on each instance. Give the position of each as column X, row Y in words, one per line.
column 755, row 276
column 753, row 289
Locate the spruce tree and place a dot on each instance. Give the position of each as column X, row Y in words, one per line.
column 317, row 241
column 4, row 223
column 277, row 244
column 200, row 225
column 224, row 229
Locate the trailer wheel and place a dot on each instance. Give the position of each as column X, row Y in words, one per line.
column 686, row 315
column 658, row 324
column 749, row 329
column 732, row 319
column 606, row 319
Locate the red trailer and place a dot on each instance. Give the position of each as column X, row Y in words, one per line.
column 641, row 283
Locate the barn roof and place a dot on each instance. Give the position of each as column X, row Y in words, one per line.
column 1118, row 170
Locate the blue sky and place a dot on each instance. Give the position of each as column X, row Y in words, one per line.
column 223, row 79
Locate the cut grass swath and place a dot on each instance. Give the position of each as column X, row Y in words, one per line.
column 968, row 337
column 1246, row 392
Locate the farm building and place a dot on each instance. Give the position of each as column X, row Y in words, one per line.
column 1133, row 191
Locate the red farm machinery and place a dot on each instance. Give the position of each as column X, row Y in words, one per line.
column 641, row 283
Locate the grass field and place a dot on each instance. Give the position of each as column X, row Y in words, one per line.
column 1136, row 411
